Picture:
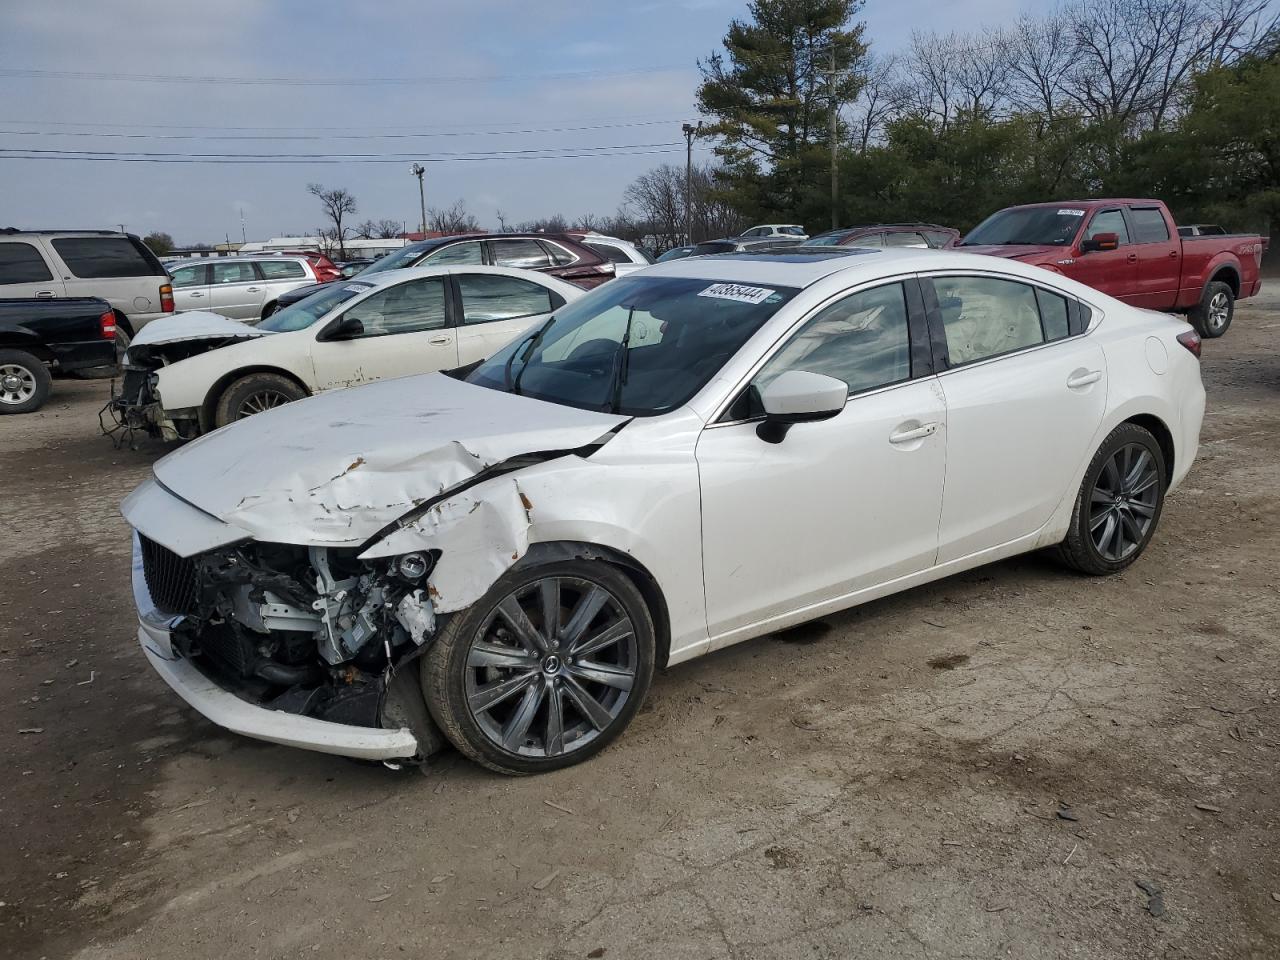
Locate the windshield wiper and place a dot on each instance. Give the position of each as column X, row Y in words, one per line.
column 513, row 386
column 622, row 364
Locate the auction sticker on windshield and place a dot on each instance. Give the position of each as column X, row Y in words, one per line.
column 736, row 291
column 1070, row 213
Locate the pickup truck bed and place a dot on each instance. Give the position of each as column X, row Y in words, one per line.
column 37, row 336
column 1130, row 249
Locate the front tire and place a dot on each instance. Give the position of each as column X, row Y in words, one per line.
column 269, row 309
column 1212, row 316
column 1119, row 503
column 24, row 382
column 545, row 670
column 256, row 393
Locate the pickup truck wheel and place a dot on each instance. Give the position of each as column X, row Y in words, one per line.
column 24, row 382
column 256, row 393
column 1212, row 315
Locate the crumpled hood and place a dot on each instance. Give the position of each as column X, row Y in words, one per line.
column 196, row 325
column 1017, row 251
column 337, row 468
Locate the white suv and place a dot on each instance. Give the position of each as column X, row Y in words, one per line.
column 788, row 231
column 237, row 287
column 626, row 257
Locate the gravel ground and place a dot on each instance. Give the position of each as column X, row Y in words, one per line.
column 1012, row 762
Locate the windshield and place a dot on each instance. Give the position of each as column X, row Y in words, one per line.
column 1027, row 226
column 300, row 315
column 639, row 345
column 404, row 257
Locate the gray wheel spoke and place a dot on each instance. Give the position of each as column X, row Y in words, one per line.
column 490, row 695
column 484, row 654
column 1101, row 540
column 605, row 638
column 1132, row 533
column 517, row 727
column 553, row 740
column 1101, row 518
column 1110, row 477
column 590, row 707
column 1144, row 510
column 1144, row 484
column 606, row 673
column 549, row 597
column 1116, row 540
column 525, row 631
column 1099, row 496
column 1137, row 470
column 584, row 613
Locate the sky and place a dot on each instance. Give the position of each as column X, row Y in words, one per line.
column 477, row 75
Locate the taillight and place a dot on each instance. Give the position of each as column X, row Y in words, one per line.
column 166, row 298
column 107, row 324
column 1191, row 340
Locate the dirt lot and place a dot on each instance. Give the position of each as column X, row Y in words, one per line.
column 985, row 767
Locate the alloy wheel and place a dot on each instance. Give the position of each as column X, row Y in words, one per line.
column 17, row 384
column 260, row 402
column 1219, row 311
column 1123, row 502
column 551, row 667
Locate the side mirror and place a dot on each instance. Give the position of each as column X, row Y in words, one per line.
column 1100, row 241
column 799, row 396
column 345, row 328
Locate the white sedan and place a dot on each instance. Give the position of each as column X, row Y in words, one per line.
column 189, row 373
column 705, row 452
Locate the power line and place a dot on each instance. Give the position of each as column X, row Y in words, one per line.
column 312, row 127
column 22, row 72
column 101, row 158
column 330, row 156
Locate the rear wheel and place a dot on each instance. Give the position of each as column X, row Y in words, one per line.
column 256, row 393
column 1213, row 314
column 24, row 382
column 545, row 670
column 1119, row 503
column 269, row 309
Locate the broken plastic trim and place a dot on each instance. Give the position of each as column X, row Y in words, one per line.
column 510, row 465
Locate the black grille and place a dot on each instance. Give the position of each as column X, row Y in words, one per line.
column 171, row 579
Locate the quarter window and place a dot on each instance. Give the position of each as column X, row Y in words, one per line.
column 233, row 273
column 405, row 308
column 486, row 298
column 1108, row 221
column 608, row 251
column 22, row 263
column 282, row 270
column 1148, row 225
column 467, row 253
column 985, row 317
column 1054, row 317
column 862, row 340
column 520, row 253
column 904, row 240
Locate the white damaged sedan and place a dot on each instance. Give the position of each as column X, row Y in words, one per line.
column 685, row 458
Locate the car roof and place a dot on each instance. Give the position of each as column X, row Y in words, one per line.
column 240, row 258
column 388, row 278
column 14, row 231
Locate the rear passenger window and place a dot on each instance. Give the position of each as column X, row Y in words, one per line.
column 520, row 253
column 1053, row 315
column 985, row 317
column 1148, row 225
column 96, row 258
column 193, row 276
column 282, row 270
column 904, row 240
column 22, row 263
column 862, row 340
column 489, row 297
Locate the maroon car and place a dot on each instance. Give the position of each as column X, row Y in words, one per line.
column 888, row 235
column 554, row 253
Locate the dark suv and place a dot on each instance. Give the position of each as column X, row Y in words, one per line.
column 888, row 235
column 554, row 253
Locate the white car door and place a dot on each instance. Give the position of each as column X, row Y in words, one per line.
column 25, row 273
column 1025, row 398
column 496, row 309
column 839, row 505
column 235, row 290
column 405, row 329
column 191, row 287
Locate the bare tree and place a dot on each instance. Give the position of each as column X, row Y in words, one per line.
column 366, row 230
column 503, row 226
column 387, row 229
column 453, row 219
column 658, row 198
column 881, row 98
column 337, row 203
column 1042, row 54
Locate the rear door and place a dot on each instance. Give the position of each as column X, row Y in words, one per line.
column 1025, row 391
column 408, row 329
column 1112, row 271
column 281, row 276
column 1159, row 266
column 495, row 309
column 25, row 273
column 191, row 287
column 235, row 289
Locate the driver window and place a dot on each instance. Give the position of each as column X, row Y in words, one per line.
column 404, row 308
column 862, row 340
column 1108, row 221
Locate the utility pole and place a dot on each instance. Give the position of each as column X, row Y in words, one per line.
column 689, row 131
column 835, row 134
column 243, row 237
column 418, row 170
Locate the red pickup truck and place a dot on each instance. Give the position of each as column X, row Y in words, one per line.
column 1131, row 250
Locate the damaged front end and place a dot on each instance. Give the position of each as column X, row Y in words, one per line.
column 309, row 631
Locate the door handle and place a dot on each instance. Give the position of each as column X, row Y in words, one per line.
column 916, row 433
column 1132, row 258
column 252, row 289
column 1077, row 380
column 440, row 341
column 45, row 295
column 1173, row 254
column 197, row 293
